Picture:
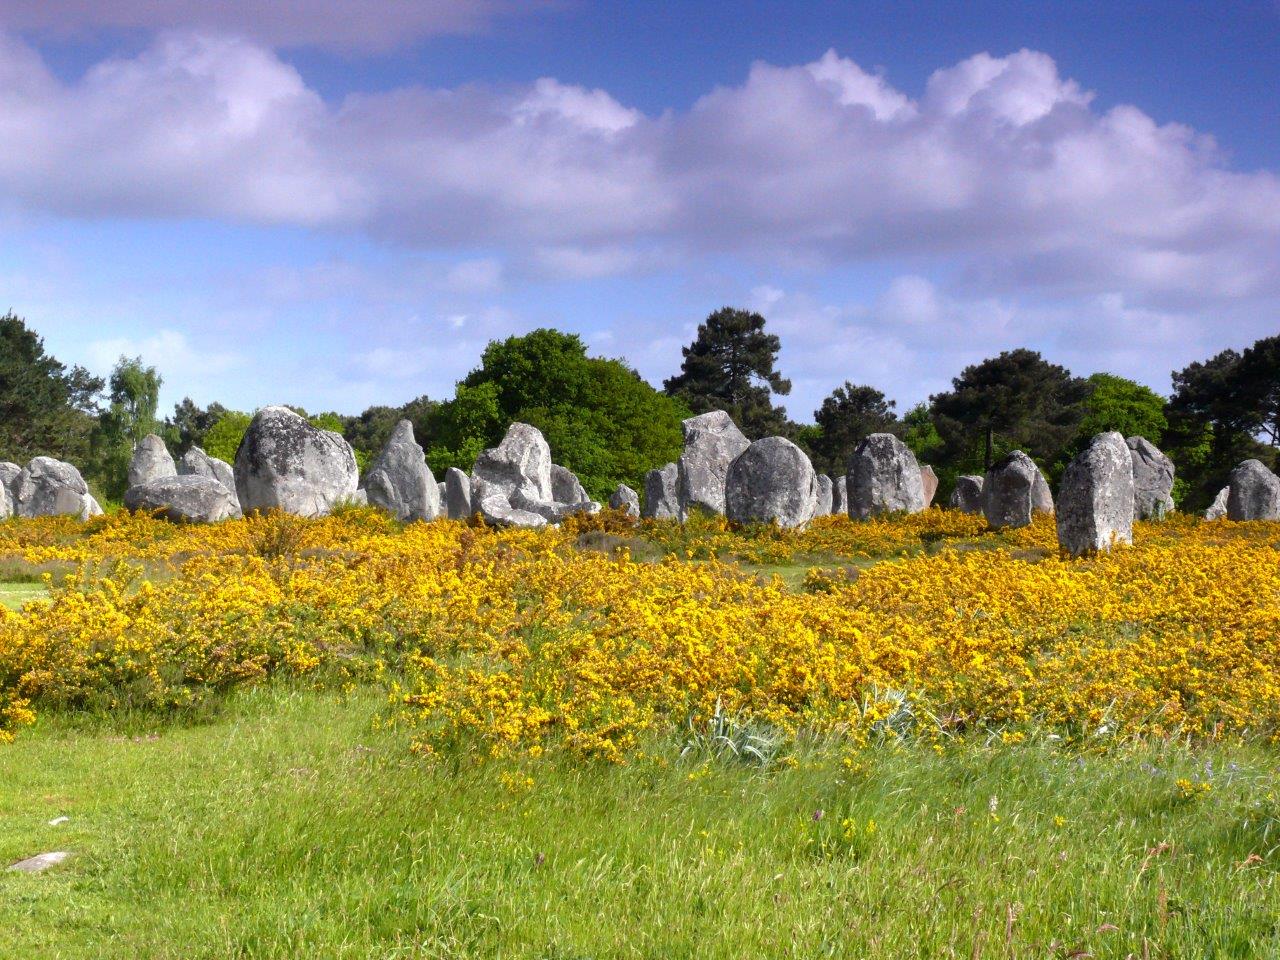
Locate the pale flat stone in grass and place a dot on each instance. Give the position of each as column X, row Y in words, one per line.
column 40, row 862
column 712, row 441
column 661, row 497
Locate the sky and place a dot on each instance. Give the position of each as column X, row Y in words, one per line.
column 337, row 204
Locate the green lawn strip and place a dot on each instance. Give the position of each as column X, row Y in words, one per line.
column 289, row 827
column 14, row 595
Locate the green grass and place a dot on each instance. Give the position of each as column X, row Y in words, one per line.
column 14, row 595
column 286, row 827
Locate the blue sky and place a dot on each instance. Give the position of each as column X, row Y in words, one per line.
column 339, row 204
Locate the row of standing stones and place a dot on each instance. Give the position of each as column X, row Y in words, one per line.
column 286, row 463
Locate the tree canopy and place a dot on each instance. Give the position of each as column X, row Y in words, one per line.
column 848, row 415
column 1115, row 403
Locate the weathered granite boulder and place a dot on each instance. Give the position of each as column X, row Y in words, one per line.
column 661, row 493
column 1152, row 480
column 1009, row 491
column 967, row 496
column 186, row 498
column 1218, row 509
column 50, row 488
column 286, row 463
column 929, row 481
column 151, row 460
column 496, row 509
column 1096, row 499
column 712, row 441
column 1041, row 495
column 772, row 481
column 522, row 461
column 840, row 496
column 457, row 494
column 196, row 463
column 626, row 500
column 823, row 509
column 565, row 486
column 9, row 473
column 1254, row 493
column 883, row 477
column 399, row 480
column 443, row 492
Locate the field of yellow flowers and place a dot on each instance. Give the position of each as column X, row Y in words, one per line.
column 567, row 642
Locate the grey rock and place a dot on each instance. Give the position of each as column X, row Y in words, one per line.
column 1096, row 499
column 661, row 493
column 50, row 488
column 358, row 499
column 1254, row 493
column 626, row 500
column 928, row 480
column 823, row 508
column 286, row 463
column 967, row 496
column 1218, row 509
column 151, row 460
column 1041, row 495
column 1152, row 480
column 196, row 463
column 9, row 473
column 6, row 503
column 457, row 494
column 399, row 480
column 496, row 509
column 711, row 443
column 521, row 462
column 565, row 487
column 183, row 499
column 40, row 862
column 883, row 477
column 772, row 481
column 840, row 496
column 440, row 489
column 1010, row 491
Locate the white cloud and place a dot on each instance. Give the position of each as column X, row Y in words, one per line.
column 184, row 366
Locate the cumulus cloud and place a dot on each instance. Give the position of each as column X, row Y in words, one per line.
column 1001, row 166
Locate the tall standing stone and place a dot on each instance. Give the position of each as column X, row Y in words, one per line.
column 151, row 461
column 840, row 496
column 1152, row 480
column 399, row 480
column 712, row 441
column 1009, row 491
column 520, row 463
column 457, row 494
column 286, row 463
column 823, row 508
column 50, row 488
column 772, row 481
column 1218, row 509
column 967, row 495
column 883, row 477
column 566, row 487
column 625, row 499
column 1254, row 493
column 929, row 481
column 9, row 473
column 196, row 463
column 1096, row 499
column 661, row 493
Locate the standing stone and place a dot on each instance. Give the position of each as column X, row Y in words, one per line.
column 1096, row 500
column 1218, row 509
column 711, row 443
column 457, row 494
column 661, row 493
column 883, row 477
column 1009, row 494
column 824, row 496
column 626, row 500
column 495, row 507
column 772, row 481
column 1254, row 493
column 187, row 498
column 9, row 473
column 196, row 463
column 6, row 503
column 929, row 481
column 1041, row 495
column 286, row 463
column 440, row 488
column 521, row 462
column 840, row 496
column 1152, row 480
column 967, row 496
column 151, row 460
column 565, row 486
column 399, row 480
column 50, row 488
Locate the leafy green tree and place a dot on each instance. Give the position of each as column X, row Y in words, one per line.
column 190, row 422
column 1258, row 385
column 921, row 434
column 732, row 366
column 601, row 419
column 846, row 417
column 1115, row 403
column 45, row 408
column 134, row 395
column 222, row 440
column 1017, row 400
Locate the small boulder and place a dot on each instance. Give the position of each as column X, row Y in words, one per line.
column 1011, row 491
column 399, row 480
column 286, row 463
column 9, row 473
column 1041, row 495
column 839, row 496
column 50, row 488
column 187, row 498
column 1152, row 480
column 967, row 495
column 772, row 481
column 1218, row 509
column 626, row 500
column 661, row 493
column 522, row 461
column 883, row 477
column 1096, row 500
column 565, row 486
column 457, row 494
column 712, row 441
column 928, row 480
column 151, row 460
column 823, row 508
column 1254, row 493
column 496, row 509
column 196, row 463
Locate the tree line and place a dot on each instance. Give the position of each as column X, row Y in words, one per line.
column 608, row 425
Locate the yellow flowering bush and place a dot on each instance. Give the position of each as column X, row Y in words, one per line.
column 500, row 642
